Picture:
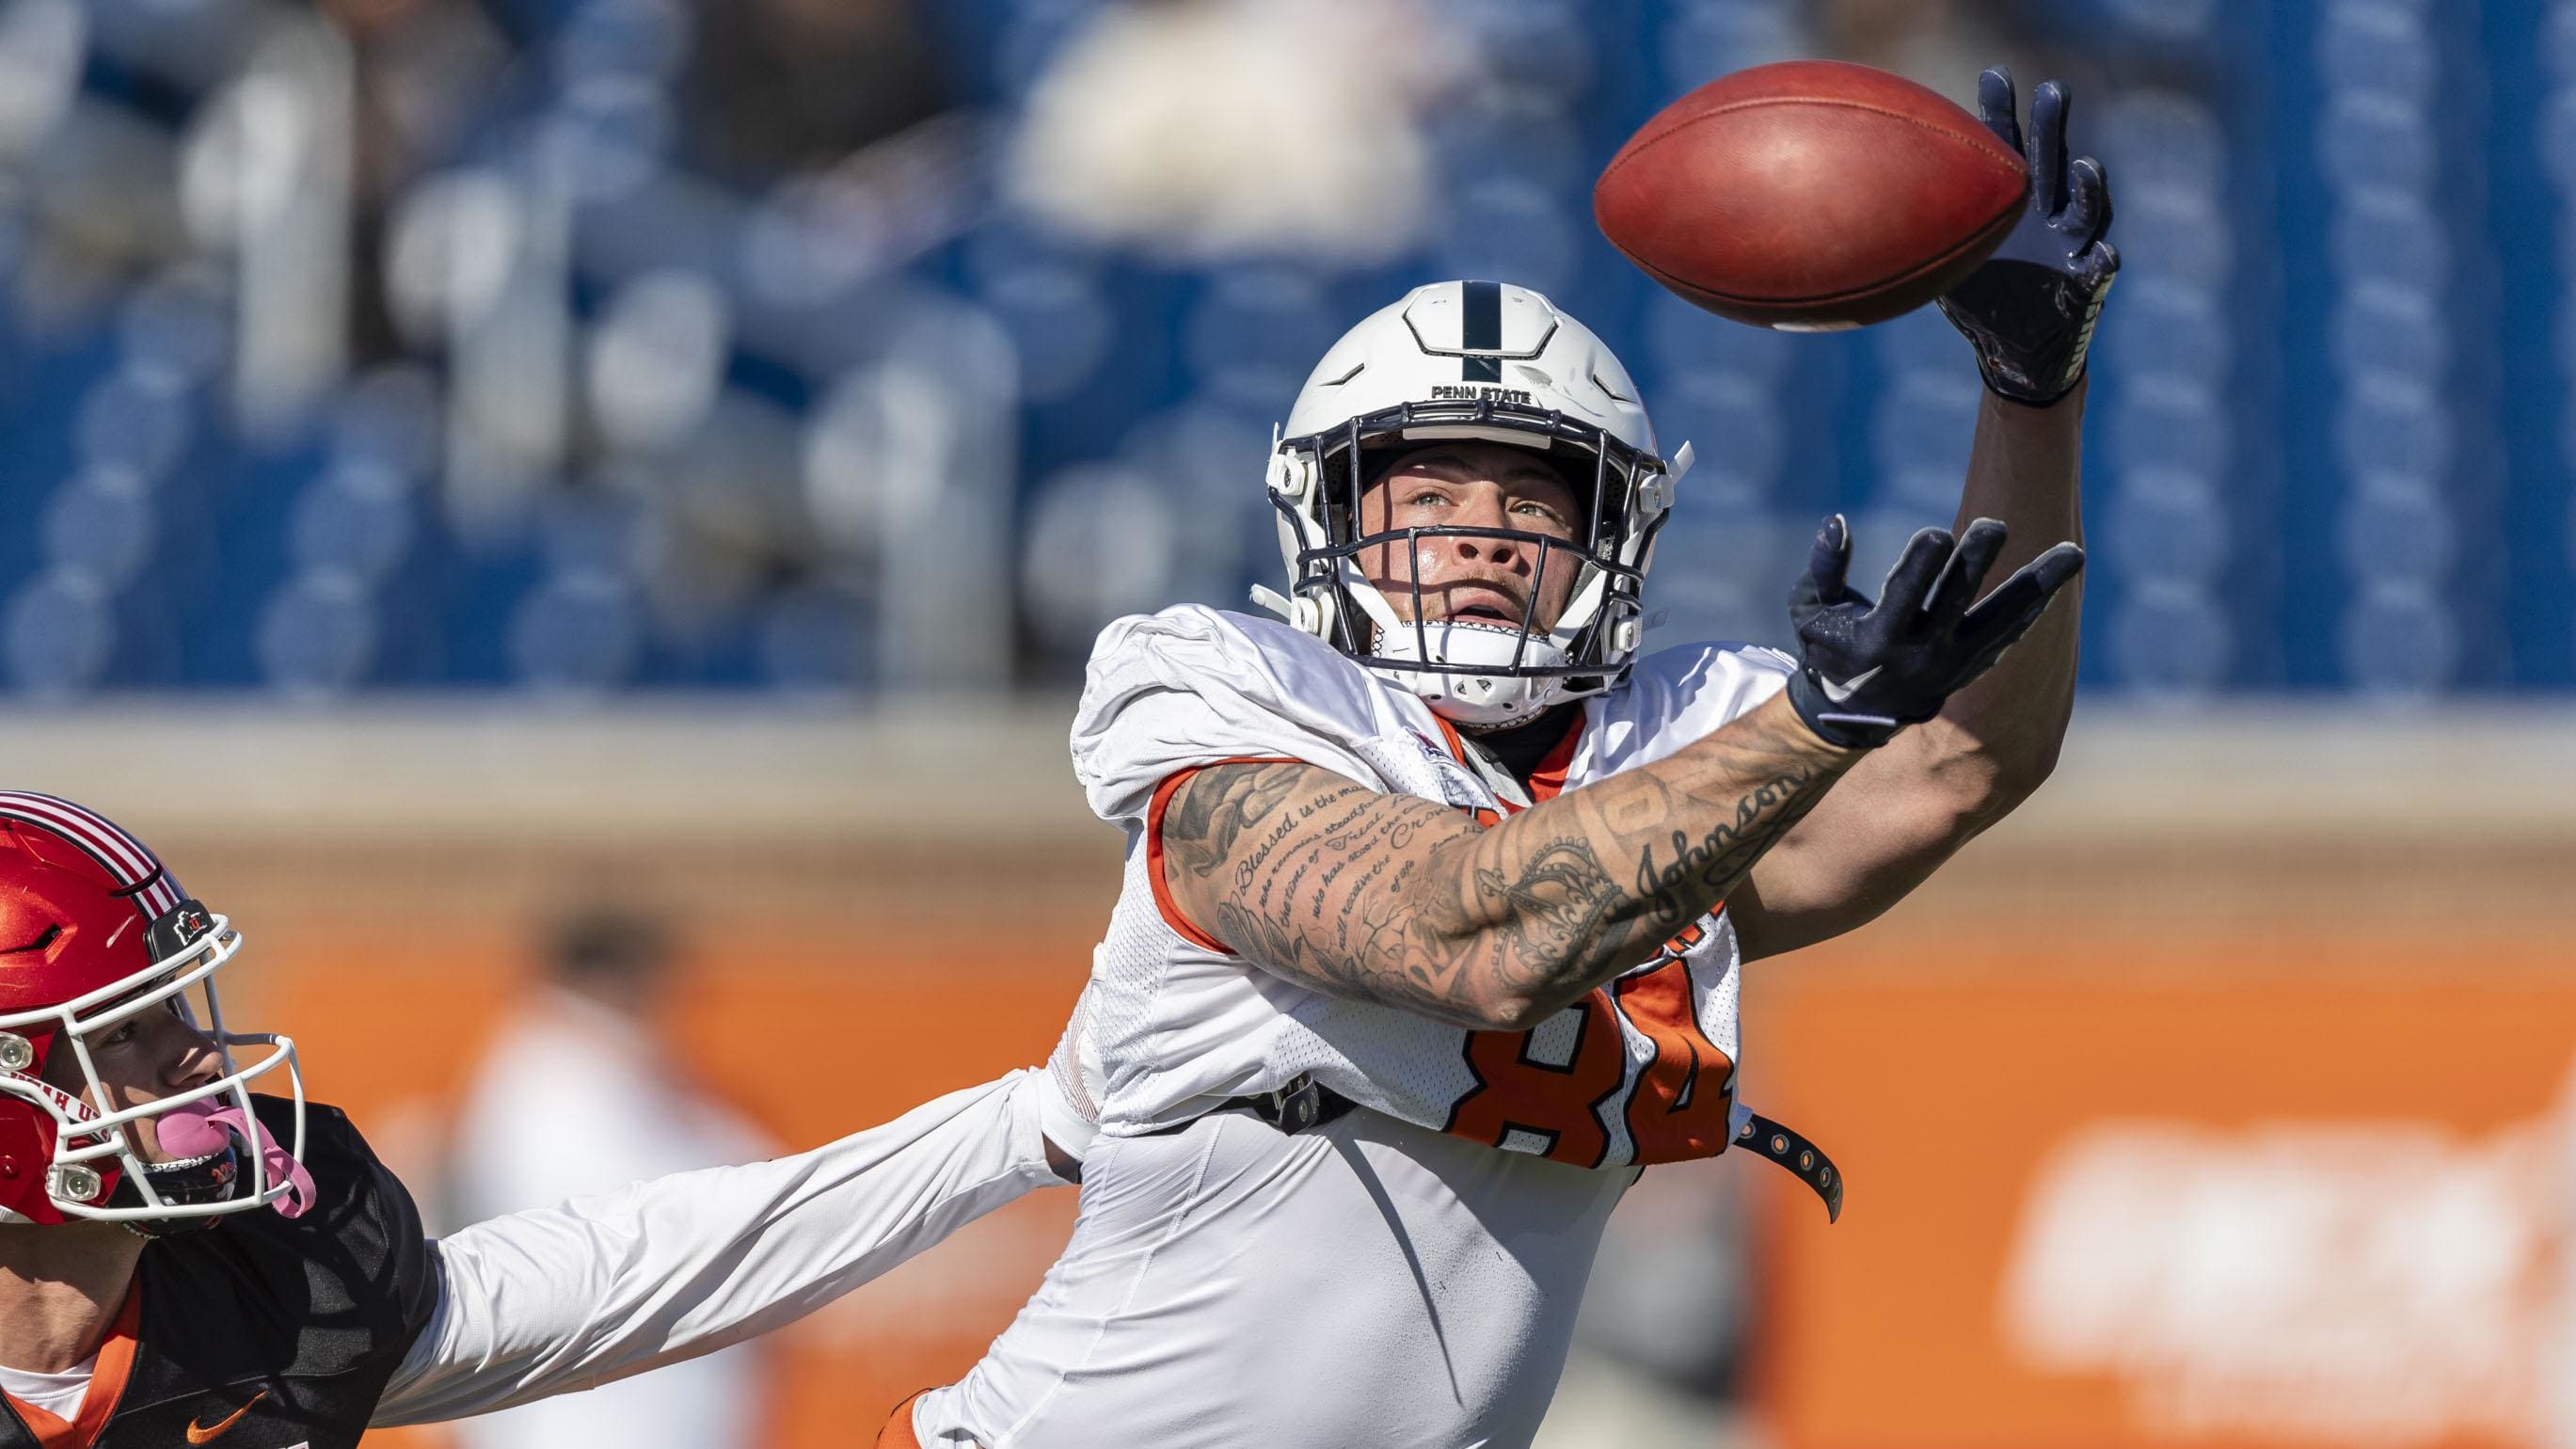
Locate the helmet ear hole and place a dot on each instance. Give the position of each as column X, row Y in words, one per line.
column 75, row 1182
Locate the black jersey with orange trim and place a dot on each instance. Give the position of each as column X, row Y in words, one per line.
column 263, row 1332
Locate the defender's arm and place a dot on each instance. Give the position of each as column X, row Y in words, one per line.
column 603, row 1287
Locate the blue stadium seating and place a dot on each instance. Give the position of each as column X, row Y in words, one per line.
column 2329, row 445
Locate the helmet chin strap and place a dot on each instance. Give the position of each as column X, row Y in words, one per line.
column 1478, row 701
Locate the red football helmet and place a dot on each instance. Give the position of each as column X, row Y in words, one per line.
column 94, row 932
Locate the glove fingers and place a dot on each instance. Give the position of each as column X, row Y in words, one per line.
column 1911, row 579
column 2048, row 147
column 1829, row 561
column 2089, row 193
column 2102, row 262
column 1994, row 641
column 1995, row 104
column 2004, row 615
column 1957, row 586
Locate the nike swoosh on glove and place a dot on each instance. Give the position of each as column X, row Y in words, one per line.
column 1868, row 670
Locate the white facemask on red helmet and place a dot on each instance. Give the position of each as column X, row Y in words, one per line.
column 1496, row 363
column 94, row 934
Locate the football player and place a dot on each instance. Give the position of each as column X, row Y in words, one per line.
column 186, row 1260
column 1437, row 894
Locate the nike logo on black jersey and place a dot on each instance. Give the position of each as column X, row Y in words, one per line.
column 208, row 1433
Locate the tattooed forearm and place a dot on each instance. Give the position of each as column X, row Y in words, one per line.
column 1398, row 900
column 1558, row 902
column 1702, row 871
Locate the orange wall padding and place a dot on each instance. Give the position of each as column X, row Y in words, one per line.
column 2295, row 1142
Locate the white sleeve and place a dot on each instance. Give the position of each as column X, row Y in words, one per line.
column 1193, row 686
column 561, row 1298
column 1676, row 696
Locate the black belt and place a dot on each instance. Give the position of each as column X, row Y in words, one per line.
column 1778, row 1144
column 1306, row 1103
column 1301, row 1104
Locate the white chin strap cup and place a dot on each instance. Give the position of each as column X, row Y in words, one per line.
column 1485, row 701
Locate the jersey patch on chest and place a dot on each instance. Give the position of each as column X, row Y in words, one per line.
column 1458, row 786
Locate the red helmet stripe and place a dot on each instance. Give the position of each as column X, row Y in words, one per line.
column 124, row 857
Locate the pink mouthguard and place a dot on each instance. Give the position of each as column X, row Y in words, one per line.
column 200, row 1129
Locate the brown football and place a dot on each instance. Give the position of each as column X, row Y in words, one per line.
column 1810, row 195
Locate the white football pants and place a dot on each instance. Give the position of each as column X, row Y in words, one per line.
column 1367, row 1282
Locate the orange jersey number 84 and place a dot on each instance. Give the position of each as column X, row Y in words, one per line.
column 1678, row 1111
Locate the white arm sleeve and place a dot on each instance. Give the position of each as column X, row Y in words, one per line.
column 562, row 1298
column 1193, row 686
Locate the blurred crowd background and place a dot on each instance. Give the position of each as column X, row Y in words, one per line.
column 855, row 346
column 489, row 486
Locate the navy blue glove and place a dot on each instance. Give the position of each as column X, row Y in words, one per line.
column 2029, row 311
column 1867, row 671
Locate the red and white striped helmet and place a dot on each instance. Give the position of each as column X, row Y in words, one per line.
column 94, row 932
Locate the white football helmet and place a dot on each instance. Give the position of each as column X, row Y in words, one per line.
column 1500, row 363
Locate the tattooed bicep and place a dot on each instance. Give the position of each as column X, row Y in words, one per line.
column 1223, row 810
column 1310, row 874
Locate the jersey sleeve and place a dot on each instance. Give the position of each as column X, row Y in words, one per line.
column 362, row 1240
column 610, row 1285
column 1193, row 686
column 1675, row 696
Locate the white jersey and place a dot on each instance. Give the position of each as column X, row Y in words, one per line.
column 1221, row 1270
column 1640, row 1071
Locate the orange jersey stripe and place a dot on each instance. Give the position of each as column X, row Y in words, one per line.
column 106, row 1384
column 897, row 1433
column 1163, row 902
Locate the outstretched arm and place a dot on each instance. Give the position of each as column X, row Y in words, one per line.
column 2029, row 314
column 1405, row 902
column 603, row 1287
column 1910, row 806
